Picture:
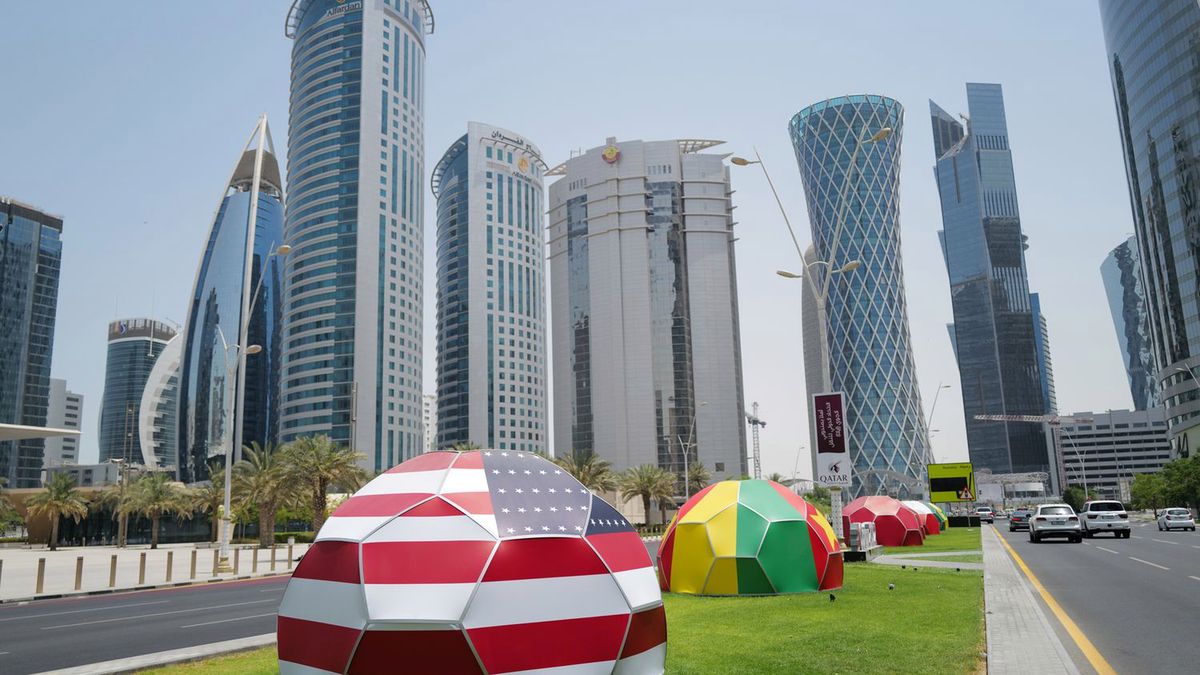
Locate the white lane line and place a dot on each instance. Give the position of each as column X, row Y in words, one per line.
column 1147, row 562
column 1192, row 577
column 1137, row 537
column 272, row 590
column 1108, row 549
column 78, row 611
column 145, row 616
column 1195, row 546
column 240, row 618
column 4, row 653
column 1164, row 541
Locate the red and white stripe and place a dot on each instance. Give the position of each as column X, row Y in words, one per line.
column 388, row 495
column 625, row 555
column 423, row 565
column 322, row 612
column 645, row 649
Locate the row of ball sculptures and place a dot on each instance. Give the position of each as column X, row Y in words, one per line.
column 498, row 561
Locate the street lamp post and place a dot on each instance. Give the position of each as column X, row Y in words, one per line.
column 688, row 449
column 822, row 295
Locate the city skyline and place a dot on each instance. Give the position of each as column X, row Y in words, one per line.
column 769, row 362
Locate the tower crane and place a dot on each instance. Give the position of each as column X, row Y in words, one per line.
column 755, row 422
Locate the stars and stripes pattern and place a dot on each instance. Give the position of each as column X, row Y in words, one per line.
column 485, row 562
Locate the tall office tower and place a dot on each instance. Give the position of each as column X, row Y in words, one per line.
column 1155, row 74
column 643, row 285
column 356, row 161
column 851, row 176
column 158, row 416
column 30, row 256
column 65, row 411
column 491, row 310
column 1041, row 344
column 429, row 420
column 236, row 306
column 995, row 332
column 1121, row 272
column 133, row 347
column 814, row 348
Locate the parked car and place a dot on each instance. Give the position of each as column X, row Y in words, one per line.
column 985, row 514
column 1054, row 520
column 1176, row 519
column 1019, row 520
column 1104, row 515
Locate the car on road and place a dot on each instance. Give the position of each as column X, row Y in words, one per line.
column 1054, row 520
column 1019, row 520
column 1176, row 519
column 1104, row 515
column 985, row 514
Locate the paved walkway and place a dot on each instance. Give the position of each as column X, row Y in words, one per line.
column 929, row 560
column 1020, row 637
column 19, row 567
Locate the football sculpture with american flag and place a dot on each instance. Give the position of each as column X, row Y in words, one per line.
column 475, row 562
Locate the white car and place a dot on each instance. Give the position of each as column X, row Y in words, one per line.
column 1054, row 520
column 1104, row 515
column 1176, row 519
column 985, row 514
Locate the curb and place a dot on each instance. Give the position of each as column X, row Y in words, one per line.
column 131, row 589
column 173, row 656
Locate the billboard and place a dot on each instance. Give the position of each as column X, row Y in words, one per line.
column 952, row 482
column 833, row 454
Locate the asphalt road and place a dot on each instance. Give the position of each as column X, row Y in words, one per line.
column 53, row 634
column 1136, row 599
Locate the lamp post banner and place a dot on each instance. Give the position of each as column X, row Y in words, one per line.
column 833, row 455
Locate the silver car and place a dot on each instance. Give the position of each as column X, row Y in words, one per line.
column 1176, row 519
column 1054, row 520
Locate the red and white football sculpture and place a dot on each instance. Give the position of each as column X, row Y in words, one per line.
column 478, row 562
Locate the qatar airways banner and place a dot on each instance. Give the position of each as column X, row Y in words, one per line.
column 833, row 453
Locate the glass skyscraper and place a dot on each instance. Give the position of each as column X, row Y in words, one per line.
column 236, row 300
column 491, row 309
column 1154, row 61
column 1121, row 272
column 30, row 259
column 647, row 347
column 868, row 340
column 158, row 419
column 356, row 162
column 997, row 335
column 133, row 347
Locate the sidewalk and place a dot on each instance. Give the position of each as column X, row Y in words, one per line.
column 18, row 568
column 1020, row 637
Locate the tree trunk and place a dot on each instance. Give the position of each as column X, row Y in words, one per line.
column 54, row 532
column 122, row 529
column 646, row 508
column 319, row 502
column 266, row 527
column 213, row 525
column 154, row 531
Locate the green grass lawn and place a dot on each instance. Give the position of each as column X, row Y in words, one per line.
column 953, row 539
column 931, row 623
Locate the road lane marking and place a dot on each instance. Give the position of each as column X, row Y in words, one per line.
column 77, row 611
column 240, row 618
column 1164, row 541
column 1147, row 562
column 1085, row 645
column 7, row 653
column 1192, row 577
column 1108, row 549
column 145, row 616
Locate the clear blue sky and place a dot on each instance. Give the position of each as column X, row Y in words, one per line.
column 125, row 118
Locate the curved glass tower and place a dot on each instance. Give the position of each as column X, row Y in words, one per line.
column 133, row 348
column 356, row 158
column 869, row 347
column 1121, row 272
column 1152, row 58
column 491, row 305
column 236, row 300
column 158, row 416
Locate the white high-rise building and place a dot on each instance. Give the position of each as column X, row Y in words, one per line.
column 352, row 311
column 491, row 310
column 63, row 412
column 647, row 354
column 429, row 419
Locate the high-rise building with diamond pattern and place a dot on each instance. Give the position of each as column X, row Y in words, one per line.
column 869, row 346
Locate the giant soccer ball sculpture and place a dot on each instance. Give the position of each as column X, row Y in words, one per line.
column 749, row 537
column 477, row 562
column 895, row 523
column 925, row 515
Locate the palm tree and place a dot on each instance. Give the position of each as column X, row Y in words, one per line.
column 60, row 498
column 209, row 498
column 777, row 477
column 119, row 498
column 8, row 512
column 648, row 482
column 587, row 468
column 260, row 479
column 698, row 478
column 318, row 463
column 465, row 446
column 155, row 495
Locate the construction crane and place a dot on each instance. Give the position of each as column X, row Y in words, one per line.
column 755, row 422
column 1055, row 422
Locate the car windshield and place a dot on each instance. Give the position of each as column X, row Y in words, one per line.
column 1106, row 506
column 983, row 509
column 1021, row 512
column 1056, row 511
column 1179, row 512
